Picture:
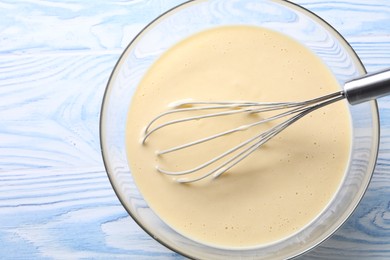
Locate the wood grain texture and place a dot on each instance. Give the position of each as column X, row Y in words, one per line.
column 55, row 199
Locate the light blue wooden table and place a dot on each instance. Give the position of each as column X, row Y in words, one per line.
column 55, row 198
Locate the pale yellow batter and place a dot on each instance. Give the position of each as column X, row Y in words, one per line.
column 278, row 189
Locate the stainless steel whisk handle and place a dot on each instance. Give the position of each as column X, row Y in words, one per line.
column 368, row 87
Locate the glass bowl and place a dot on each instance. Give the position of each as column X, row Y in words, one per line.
column 195, row 16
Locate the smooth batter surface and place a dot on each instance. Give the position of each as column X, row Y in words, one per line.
column 278, row 189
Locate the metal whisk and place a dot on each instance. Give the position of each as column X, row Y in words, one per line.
column 368, row 87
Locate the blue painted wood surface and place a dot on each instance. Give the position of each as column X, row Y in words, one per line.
column 55, row 199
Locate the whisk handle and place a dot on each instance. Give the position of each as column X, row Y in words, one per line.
column 368, row 87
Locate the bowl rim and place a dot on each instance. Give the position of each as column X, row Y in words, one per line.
column 374, row 111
